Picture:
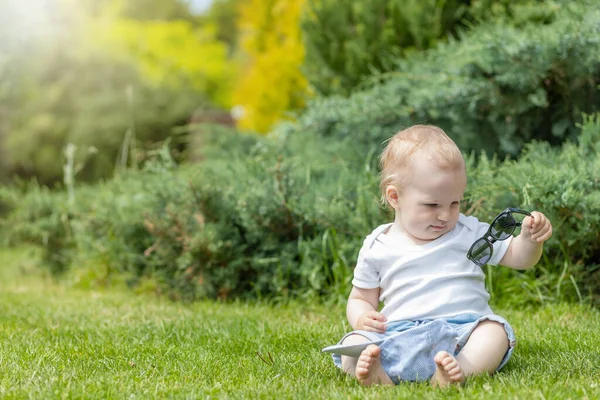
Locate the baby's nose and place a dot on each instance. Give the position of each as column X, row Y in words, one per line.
column 444, row 216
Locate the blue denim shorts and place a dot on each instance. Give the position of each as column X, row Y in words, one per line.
column 408, row 347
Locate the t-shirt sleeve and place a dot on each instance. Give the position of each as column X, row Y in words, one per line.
column 366, row 275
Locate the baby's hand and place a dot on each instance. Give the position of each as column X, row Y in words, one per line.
column 537, row 227
column 372, row 321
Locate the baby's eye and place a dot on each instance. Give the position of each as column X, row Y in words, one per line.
column 430, row 204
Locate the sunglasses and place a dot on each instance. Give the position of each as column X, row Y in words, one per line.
column 501, row 228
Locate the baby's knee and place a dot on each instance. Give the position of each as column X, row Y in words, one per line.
column 494, row 330
column 494, row 325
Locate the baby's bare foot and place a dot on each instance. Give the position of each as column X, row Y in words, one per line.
column 369, row 370
column 447, row 371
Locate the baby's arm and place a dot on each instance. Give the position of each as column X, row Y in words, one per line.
column 525, row 250
column 361, row 310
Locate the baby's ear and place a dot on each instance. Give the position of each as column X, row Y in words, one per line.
column 391, row 194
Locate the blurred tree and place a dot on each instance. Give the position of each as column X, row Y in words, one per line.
column 26, row 29
column 100, row 81
column 271, row 83
column 142, row 10
column 173, row 54
column 61, row 102
column 223, row 15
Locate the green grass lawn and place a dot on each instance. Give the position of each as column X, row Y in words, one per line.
column 60, row 342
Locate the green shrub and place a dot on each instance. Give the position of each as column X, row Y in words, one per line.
column 346, row 41
column 565, row 185
column 285, row 217
column 496, row 89
column 300, row 205
column 38, row 215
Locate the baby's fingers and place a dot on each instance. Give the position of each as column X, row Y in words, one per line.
column 375, row 325
column 540, row 227
column 535, row 222
column 377, row 316
column 543, row 234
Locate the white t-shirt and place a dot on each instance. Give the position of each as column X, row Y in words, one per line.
column 433, row 280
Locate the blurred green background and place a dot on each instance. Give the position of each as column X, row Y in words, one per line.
column 123, row 74
column 229, row 148
column 106, row 74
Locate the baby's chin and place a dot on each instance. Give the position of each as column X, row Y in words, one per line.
column 429, row 234
column 433, row 234
column 426, row 238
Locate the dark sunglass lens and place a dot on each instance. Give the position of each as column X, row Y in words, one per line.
column 480, row 252
column 503, row 227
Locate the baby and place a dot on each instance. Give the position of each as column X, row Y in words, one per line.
column 435, row 323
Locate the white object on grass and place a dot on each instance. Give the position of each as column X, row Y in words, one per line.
column 350, row 350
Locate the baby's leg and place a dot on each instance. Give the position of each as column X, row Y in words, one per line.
column 483, row 352
column 367, row 368
column 485, row 349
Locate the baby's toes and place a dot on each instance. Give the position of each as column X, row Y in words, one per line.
column 454, row 371
column 449, row 363
column 441, row 357
column 364, row 361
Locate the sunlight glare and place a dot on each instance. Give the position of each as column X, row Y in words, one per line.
column 21, row 19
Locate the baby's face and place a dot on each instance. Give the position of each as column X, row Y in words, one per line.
column 429, row 203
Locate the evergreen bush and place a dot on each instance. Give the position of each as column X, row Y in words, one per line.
column 37, row 215
column 496, row 89
column 285, row 217
column 346, row 41
column 565, row 185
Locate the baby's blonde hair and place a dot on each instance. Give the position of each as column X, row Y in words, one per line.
column 429, row 140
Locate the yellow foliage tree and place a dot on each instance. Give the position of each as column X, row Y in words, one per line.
column 271, row 82
column 171, row 53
